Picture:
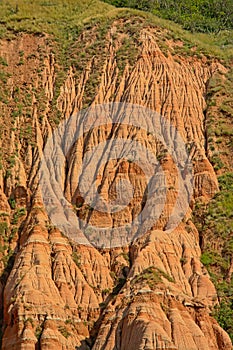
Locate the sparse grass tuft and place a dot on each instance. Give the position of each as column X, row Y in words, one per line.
column 152, row 276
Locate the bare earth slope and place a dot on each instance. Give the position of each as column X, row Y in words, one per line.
column 153, row 294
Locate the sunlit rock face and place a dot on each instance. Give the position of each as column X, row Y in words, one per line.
column 151, row 292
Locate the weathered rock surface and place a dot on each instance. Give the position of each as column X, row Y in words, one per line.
column 55, row 290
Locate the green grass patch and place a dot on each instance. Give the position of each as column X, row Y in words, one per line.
column 152, row 276
column 215, row 224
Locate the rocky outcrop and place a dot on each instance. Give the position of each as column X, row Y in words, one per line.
column 152, row 294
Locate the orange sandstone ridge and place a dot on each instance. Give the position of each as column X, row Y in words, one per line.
column 153, row 294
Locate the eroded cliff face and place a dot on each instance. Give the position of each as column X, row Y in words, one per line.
column 152, row 294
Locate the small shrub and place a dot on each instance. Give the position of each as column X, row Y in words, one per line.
column 3, row 62
column 64, row 331
column 12, row 202
column 77, row 259
column 152, row 276
column 38, row 332
column 207, row 258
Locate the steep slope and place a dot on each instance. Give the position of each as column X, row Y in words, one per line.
column 151, row 294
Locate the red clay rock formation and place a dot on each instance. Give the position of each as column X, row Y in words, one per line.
column 55, row 291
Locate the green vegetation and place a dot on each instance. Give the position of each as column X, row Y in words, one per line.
column 17, row 214
column 152, row 276
column 125, row 256
column 215, row 224
column 3, row 229
column 3, row 62
column 38, row 332
column 224, row 312
column 217, row 216
column 200, row 15
column 65, row 20
column 128, row 50
column 12, row 202
column 218, row 124
column 77, row 259
column 7, row 255
column 60, row 18
column 207, row 34
column 105, row 291
column 64, row 332
column 29, row 320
